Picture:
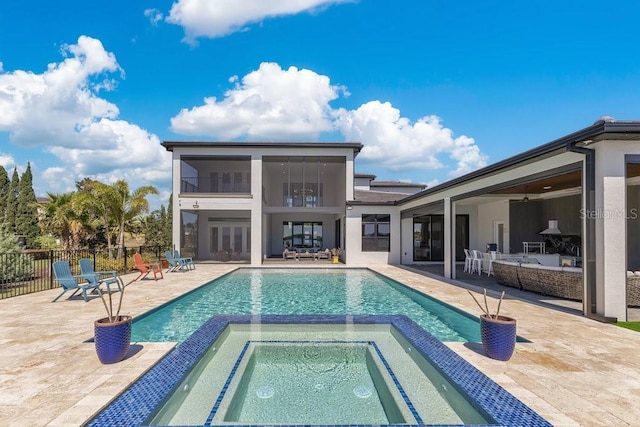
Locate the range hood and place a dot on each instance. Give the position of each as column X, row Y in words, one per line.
column 553, row 228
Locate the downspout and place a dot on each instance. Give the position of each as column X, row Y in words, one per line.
column 589, row 241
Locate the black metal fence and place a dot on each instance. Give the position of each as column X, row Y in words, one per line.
column 30, row 271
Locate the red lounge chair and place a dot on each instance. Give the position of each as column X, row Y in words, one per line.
column 145, row 268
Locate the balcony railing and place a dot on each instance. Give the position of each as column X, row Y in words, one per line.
column 206, row 185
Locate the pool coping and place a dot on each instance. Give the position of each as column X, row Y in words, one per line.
column 136, row 404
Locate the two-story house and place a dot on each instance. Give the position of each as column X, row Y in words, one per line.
column 251, row 200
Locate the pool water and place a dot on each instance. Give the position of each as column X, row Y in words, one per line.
column 304, row 383
column 303, row 291
column 331, row 374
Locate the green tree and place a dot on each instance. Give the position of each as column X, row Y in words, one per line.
column 130, row 206
column 95, row 201
column 61, row 220
column 27, row 209
column 12, row 203
column 154, row 227
column 18, row 265
column 4, row 190
column 116, row 206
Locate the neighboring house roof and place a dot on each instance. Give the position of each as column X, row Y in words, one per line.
column 397, row 184
column 365, row 197
column 364, row 175
column 170, row 145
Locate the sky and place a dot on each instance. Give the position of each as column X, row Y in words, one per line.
column 433, row 89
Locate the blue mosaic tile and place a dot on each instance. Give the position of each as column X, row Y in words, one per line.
column 139, row 402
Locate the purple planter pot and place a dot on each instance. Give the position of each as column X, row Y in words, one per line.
column 498, row 336
column 112, row 339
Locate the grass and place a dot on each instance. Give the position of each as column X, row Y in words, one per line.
column 634, row 326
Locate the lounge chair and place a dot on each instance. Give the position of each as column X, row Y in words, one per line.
column 146, row 267
column 287, row 254
column 187, row 260
column 174, row 263
column 69, row 282
column 98, row 277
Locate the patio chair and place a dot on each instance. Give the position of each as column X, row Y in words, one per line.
column 146, row 267
column 493, row 256
column 175, row 264
column 467, row 261
column 476, row 262
column 69, row 282
column 287, row 254
column 187, row 260
column 326, row 254
column 98, row 277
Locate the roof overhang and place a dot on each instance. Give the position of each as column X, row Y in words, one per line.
column 170, row 145
column 599, row 131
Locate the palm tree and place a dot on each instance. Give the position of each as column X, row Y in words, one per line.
column 115, row 206
column 131, row 206
column 61, row 220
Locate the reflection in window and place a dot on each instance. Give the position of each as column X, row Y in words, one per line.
column 376, row 233
column 298, row 195
column 302, row 234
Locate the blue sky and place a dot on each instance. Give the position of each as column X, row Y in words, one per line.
column 433, row 89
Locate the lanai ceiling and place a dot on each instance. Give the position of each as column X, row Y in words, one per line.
column 546, row 185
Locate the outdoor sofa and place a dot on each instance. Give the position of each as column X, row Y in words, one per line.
column 562, row 282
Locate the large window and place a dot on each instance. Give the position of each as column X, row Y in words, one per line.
column 215, row 174
column 302, row 235
column 307, row 195
column 376, row 233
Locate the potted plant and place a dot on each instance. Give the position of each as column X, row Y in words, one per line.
column 335, row 255
column 112, row 334
column 498, row 332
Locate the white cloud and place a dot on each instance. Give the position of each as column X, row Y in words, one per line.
column 396, row 144
column 268, row 103
column 7, row 161
column 61, row 109
column 467, row 155
column 206, row 18
column 154, row 15
column 275, row 104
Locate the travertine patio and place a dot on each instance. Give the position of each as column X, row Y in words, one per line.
column 575, row 371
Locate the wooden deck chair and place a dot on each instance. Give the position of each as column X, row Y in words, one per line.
column 69, row 282
column 98, row 277
column 146, row 267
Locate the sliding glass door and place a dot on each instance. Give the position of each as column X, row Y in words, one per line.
column 428, row 237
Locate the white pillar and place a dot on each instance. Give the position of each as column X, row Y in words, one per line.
column 176, row 227
column 614, row 224
column 449, row 239
column 257, row 246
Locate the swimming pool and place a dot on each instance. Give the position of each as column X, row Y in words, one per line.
column 262, row 291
